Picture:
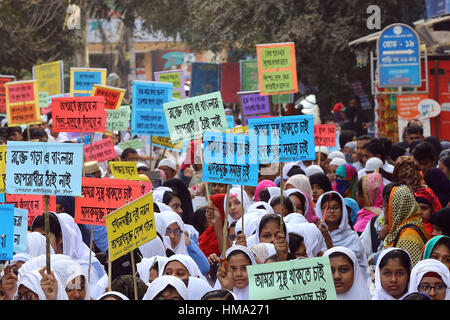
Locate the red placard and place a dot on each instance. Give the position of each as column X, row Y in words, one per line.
column 103, row 196
column 230, row 82
column 34, row 203
column 102, row 150
column 325, row 135
column 113, row 96
column 79, row 114
column 3, row 80
column 21, row 92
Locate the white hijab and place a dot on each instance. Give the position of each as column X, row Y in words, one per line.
column 295, row 218
column 173, row 217
column 263, row 251
column 359, row 289
column 197, row 288
column 241, row 294
column 154, row 247
column 188, row 262
column 380, row 293
column 312, row 237
column 32, row 280
column 236, row 192
column 115, row 294
column 251, row 222
column 160, row 283
column 344, row 235
column 67, row 270
column 158, row 194
column 160, row 224
column 36, row 244
column 255, row 205
column 429, row 265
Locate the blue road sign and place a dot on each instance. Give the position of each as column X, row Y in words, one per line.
column 398, row 57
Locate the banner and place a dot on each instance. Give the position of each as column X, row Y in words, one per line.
column 300, row 279
column 176, row 77
column 230, row 158
column 188, row 118
column 82, row 80
column 113, row 96
column 118, row 120
column 4, row 79
column 44, row 168
column 50, row 77
column 20, row 230
column 126, row 170
column 22, row 103
column 147, row 115
column 284, row 139
column 229, row 82
column 133, row 143
column 407, row 105
column 205, row 78
column 103, row 196
column 277, row 68
column 2, row 168
column 249, row 75
column 33, row 203
column 100, row 151
column 130, row 226
column 325, row 135
column 6, row 231
column 79, row 114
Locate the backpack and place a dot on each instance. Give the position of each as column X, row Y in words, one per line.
column 409, row 225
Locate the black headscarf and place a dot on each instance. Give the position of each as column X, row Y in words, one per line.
column 436, row 179
column 185, row 196
column 322, row 180
column 441, row 219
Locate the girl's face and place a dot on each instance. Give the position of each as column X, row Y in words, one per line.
column 234, row 206
column 238, row 264
column 317, row 191
column 153, row 275
column 177, row 269
column 394, row 278
column 57, row 244
column 437, row 231
column 442, row 253
column 433, row 287
column 277, row 209
column 444, row 169
column 301, row 251
column 333, row 215
column 218, row 188
column 331, row 172
column 425, row 211
column 343, row 274
column 76, row 289
column 298, row 204
column 269, row 232
column 173, row 231
column 175, row 204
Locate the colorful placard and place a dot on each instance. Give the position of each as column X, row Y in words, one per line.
column 103, row 196
column 277, row 68
column 254, row 103
column 22, row 103
column 20, row 230
column 130, row 226
column 187, row 119
column 2, row 168
column 33, row 203
column 205, row 78
column 284, row 139
column 118, row 120
column 113, row 96
column 230, row 82
column 50, row 77
column 299, row 279
column 407, row 105
column 100, row 151
column 325, row 135
column 176, row 77
column 82, row 80
column 44, row 168
column 4, row 79
column 6, row 231
column 166, row 143
column 230, row 158
column 249, row 75
column 133, row 143
column 147, row 115
column 79, row 114
column 126, row 170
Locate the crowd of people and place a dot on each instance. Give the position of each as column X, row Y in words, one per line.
column 379, row 210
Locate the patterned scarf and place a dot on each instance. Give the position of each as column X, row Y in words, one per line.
column 407, row 171
column 372, row 186
column 346, row 181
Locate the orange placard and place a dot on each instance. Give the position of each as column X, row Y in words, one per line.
column 407, row 105
column 113, row 96
column 34, row 203
column 277, row 68
column 22, row 103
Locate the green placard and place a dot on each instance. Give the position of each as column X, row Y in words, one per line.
column 249, row 75
column 302, row 279
column 43, row 99
column 134, row 143
column 282, row 98
column 277, row 81
column 118, row 119
column 275, row 57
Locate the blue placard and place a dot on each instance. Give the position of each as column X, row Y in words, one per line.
column 230, row 121
column 147, row 115
column 44, row 168
column 6, row 231
column 436, row 8
column 205, row 78
column 85, row 80
column 284, row 139
column 20, row 230
column 399, row 57
column 230, row 158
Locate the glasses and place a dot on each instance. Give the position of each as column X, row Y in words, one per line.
column 27, row 296
column 427, row 288
column 331, row 208
column 176, row 232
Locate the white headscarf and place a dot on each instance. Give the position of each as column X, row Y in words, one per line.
column 67, row 270
column 162, row 206
column 255, row 205
column 312, row 237
column 32, row 280
column 197, row 288
column 188, row 262
column 251, row 221
column 154, row 247
column 115, row 294
column 160, row 283
column 273, row 191
column 36, row 244
column 236, row 192
column 263, row 251
column 429, row 265
column 173, row 217
column 380, row 293
column 99, row 288
column 161, row 227
column 359, row 289
column 295, row 218
column 344, row 235
column 158, row 194
column 143, row 268
column 241, row 294
column 300, row 182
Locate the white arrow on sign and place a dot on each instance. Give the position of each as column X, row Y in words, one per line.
column 399, row 52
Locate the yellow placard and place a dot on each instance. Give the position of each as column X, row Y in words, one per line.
column 126, row 170
column 113, row 96
column 82, row 80
column 50, row 77
column 166, row 142
column 130, row 226
column 2, row 167
column 238, row 130
column 22, row 103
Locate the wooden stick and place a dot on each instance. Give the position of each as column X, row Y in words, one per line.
column 242, row 207
column 281, row 194
column 151, row 154
column 90, row 252
column 133, row 266
column 109, row 269
column 208, row 197
column 47, row 235
column 225, row 222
